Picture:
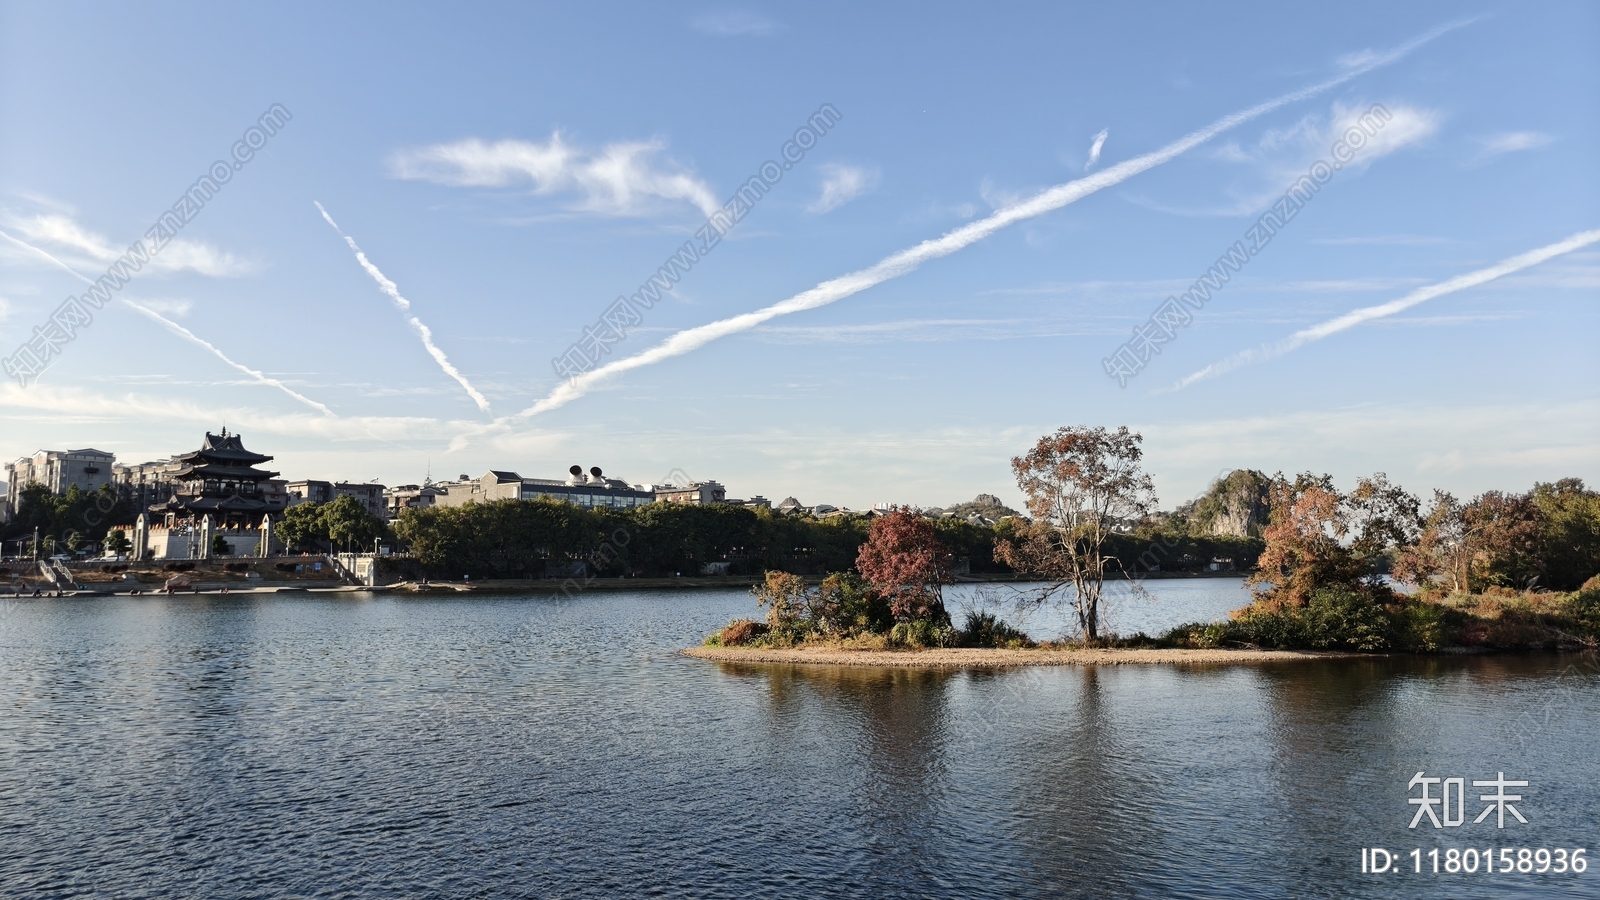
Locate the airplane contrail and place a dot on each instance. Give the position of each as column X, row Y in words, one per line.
column 1368, row 313
column 70, row 270
column 182, row 332
column 910, row 259
column 1094, row 151
column 404, row 305
column 195, row 339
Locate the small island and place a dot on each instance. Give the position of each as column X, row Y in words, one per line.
column 1330, row 580
column 996, row 658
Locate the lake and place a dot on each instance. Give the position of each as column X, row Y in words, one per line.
column 349, row 745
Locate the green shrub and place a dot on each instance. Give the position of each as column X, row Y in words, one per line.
column 1419, row 626
column 984, row 629
column 1583, row 609
column 1336, row 618
column 1197, row 635
column 919, row 634
column 845, row 604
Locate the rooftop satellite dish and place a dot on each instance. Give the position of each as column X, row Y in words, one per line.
column 577, row 471
column 595, row 471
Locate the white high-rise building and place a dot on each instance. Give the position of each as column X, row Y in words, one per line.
column 58, row 470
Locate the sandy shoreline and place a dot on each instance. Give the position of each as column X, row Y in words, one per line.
column 976, row 658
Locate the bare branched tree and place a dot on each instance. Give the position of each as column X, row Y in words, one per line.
column 1081, row 484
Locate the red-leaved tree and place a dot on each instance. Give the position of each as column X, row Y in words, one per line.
column 908, row 564
column 1319, row 537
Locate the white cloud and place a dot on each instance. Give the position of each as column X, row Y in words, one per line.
column 1000, row 198
column 5, row 309
column 1439, row 321
column 178, row 308
column 1392, row 240
column 1283, row 155
column 841, row 184
column 932, row 331
column 621, row 179
column 1510, row 142
column 62, row 405
column 734, row 23
column 1094, row 149
column 87, row 249
column 1351, row 285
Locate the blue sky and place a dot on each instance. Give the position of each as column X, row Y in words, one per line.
column 513, row 169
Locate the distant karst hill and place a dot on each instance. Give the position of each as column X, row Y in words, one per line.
column 986, row 505
column 1236, row 505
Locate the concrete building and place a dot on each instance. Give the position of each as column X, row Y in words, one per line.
column 699, row 492
column 589, row 491
column 58, row 470
column 409, row 496
column 370, row 495
column 148, row 483
column 492, row 485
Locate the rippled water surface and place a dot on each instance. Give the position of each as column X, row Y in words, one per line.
column 521, row 746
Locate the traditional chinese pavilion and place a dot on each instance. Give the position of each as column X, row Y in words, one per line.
column 221, row 480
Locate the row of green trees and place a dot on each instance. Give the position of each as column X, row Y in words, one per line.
column 341, row 524
column 71, row 522
column 529, row 538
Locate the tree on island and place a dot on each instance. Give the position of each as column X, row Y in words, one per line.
column 1466, row 547
column 1081, row 483
column 1319, row 537
column 906, row 562
column 1569, row 533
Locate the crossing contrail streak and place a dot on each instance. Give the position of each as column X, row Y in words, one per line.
column 910, row 259
column 404, row 305
column 192, row 338
column 70, row 270
column 1368, row 313
column 186, row 334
